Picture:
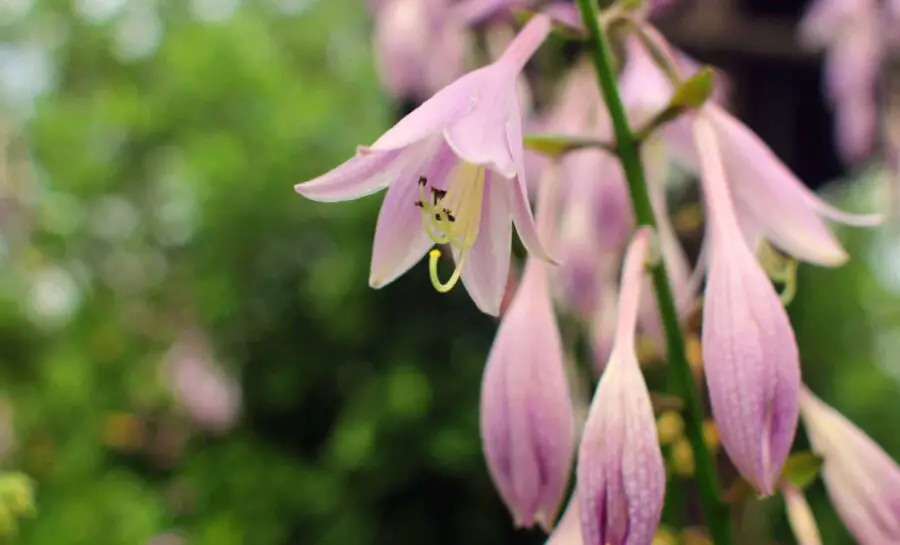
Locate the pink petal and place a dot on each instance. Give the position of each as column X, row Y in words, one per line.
column 855, row 127
column 863, row 482
column 518, row 197
column 769, row 194
column 400, row 239
column 487, row 262
column 479, row 138
column 361, row 175
column 447, row 105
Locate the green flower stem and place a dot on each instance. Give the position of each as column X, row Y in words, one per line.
column 715, row 512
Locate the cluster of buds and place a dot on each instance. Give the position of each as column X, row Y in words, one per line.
column 458, row 177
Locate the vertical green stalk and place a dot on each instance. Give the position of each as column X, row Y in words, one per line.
column 715, row 512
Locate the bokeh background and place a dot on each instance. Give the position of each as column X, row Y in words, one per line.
column 190, row 353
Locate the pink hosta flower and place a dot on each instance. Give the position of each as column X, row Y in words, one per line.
column 419, row 48
column 750, row 355
column 596, row 213
column 526, row 409
column 769, row 200
column 800, row 516
column 455, row 175
column 854, row 33
column 527, row 422
column 621, row 479
column 863, row 482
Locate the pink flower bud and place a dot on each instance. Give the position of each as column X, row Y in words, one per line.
column 749, row 352
column 527, row 425
column 621, row 478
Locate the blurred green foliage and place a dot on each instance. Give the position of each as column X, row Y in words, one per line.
column 160, row 200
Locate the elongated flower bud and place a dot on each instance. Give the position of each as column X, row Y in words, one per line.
column 527, row 423
column 621, row 478
column 863, row 482
column 750, row 355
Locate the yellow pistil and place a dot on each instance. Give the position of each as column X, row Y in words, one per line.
column 453, row 217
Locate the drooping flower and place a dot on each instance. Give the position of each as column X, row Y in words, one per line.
column 749, row 352
column 800, row 516
column 419, row 47
column 596, row 214
column 769, row 200
column 454, row 174
column 854, row 34
column 527, row 422
column 620, row 474
column 863, row 482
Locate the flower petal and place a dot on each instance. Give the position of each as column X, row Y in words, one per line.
column 480, row 137
column 361, row 175
column 447, row 105
column 400, row 239
column 769, row 193
column 518, row 196
column 487, row 262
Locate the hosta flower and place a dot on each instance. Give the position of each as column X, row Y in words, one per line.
column 854, row 33
column 621, row 479
column 419, row 48
column 454, row 174
column 527, row 422
column 863, row 482
column 749, row 352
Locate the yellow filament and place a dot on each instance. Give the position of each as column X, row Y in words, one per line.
column 780, row 268
column 462, row 202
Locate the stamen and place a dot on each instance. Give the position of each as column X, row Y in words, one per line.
column 453, row 217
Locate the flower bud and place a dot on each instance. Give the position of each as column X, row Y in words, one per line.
column 527, row 424
column 621, row 478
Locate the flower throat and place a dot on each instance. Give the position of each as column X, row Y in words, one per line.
column 453, row 217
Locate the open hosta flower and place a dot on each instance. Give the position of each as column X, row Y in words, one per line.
column 621, row 479
column 454, row 174
column 749, row 352
column 863, row 482
column 527, row 422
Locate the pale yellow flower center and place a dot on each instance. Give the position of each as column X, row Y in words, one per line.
column 452, row 217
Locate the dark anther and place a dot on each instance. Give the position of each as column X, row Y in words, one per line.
column 419, row 204
column 449, row 215
column 423, row 180
column 437, row 216
column 437, row 194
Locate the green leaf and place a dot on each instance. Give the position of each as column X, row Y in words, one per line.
column 557, row 145
column 801, row 469
column 693, row 92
